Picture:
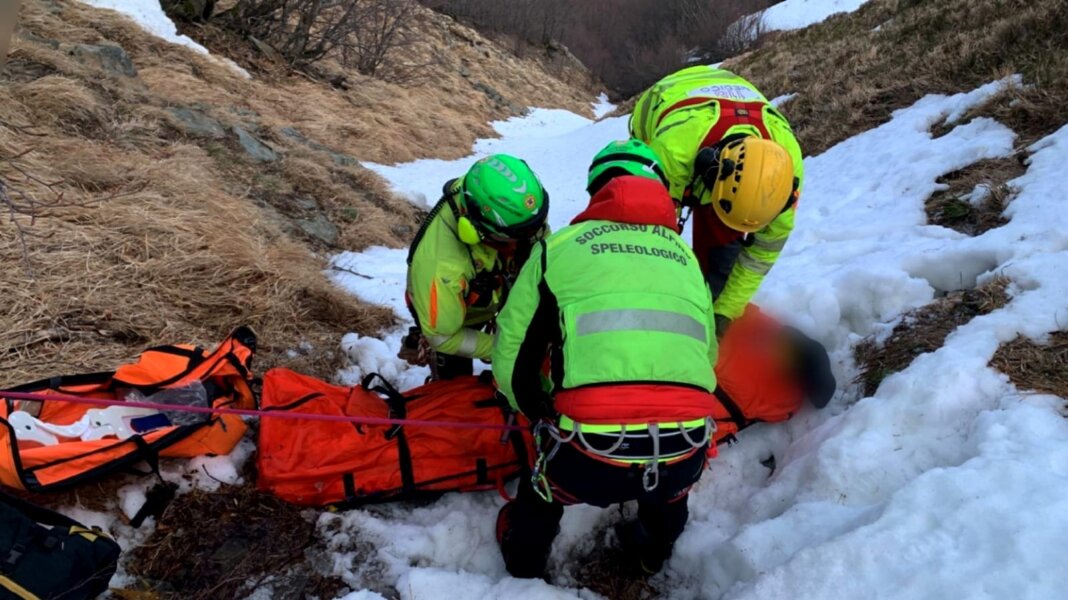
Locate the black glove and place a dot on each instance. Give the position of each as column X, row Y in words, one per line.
column 722, row 323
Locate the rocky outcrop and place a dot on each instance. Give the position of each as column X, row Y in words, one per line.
column 195, row 123
column 253, row 146
column 341, row 160
column 107, row 57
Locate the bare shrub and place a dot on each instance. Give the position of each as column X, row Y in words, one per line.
column 23, row 207
column 629, row 44
column 363, row 34
column 742, row 35
column 382, row 27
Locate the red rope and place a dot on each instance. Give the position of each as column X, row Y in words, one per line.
column 258, row 413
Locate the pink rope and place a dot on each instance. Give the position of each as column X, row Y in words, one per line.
column 258, row 413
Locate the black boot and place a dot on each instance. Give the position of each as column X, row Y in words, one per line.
column 650, row 540
column 526, row 528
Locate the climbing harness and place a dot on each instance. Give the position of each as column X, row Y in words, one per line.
column 651, row 469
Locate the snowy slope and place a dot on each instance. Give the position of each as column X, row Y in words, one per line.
column 798, row 14
column 948, row 482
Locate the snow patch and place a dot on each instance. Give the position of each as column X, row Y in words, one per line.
column 209, row 473
column 363, row 595
column 150, row 16
column 557, row 144
column 602, row 106
column 798, row 14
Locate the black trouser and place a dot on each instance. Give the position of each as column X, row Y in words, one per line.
column 528, row 524
column 720, row 264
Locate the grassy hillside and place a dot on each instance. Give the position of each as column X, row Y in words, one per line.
column 853, row 70
column 156, row 195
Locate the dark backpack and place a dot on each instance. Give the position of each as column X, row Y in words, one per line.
column 45, row 555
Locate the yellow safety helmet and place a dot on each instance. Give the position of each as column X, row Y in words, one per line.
column 750, row 180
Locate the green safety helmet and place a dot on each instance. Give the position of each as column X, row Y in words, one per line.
column 624, row 157
column 502, row 199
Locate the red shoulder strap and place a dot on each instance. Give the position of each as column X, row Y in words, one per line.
column 734, row 113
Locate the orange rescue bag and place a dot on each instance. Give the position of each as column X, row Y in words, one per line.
column 317, row 463
column 224, row 373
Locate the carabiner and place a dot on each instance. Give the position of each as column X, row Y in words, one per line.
column 651, row 475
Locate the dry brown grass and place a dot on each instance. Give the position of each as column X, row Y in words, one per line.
column 161, row 264
column 228, row 544
column 851, row 71
column 608, row 569
column 166, row 237
column 952, row 208
column 606, row 572
column 1038, row 367
column 924, row 330
column 441, row 115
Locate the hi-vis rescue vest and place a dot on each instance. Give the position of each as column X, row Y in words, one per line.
column 632, row 308
column 454, row 288
column 653, row 326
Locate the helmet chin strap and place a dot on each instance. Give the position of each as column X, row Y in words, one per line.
column 706, row 166
column 500, row 245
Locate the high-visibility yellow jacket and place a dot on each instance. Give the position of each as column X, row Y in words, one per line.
column 455, row 288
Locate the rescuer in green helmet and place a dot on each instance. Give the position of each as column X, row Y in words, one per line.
column 618, row 304
column 464, row 257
